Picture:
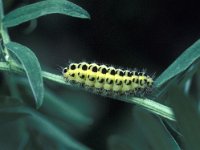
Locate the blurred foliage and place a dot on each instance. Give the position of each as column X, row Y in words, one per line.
column 42, row 114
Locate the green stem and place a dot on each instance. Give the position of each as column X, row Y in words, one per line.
column 53, row 77
column 4, row 33
column 6, row 39
column 151, row 106
column 1, row 11
column 147, row 104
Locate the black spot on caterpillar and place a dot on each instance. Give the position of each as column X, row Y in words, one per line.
column 108, row 79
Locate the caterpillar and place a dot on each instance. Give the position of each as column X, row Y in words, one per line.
column 103, row 78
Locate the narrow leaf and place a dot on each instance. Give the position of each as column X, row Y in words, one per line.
column 187, row 118
column 58, row 108
column 43, row 125
column 9, row 102
column 32, row 68
column 1, row 10
column 157, row 135
column 117, row 142
column 40, row 123
column 180, row 64
column 42, row 8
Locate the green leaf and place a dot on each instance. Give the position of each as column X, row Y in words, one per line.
column 1, row 10
column 8, row 117
column 43, row 125
column 180, row 64
column 42, row 8
column 150, row 105
column 62, row 110
column 32, row 68
column 117, row 142
column 187, row 117
column 9, row 102
column 12, row 135
column 155, row 132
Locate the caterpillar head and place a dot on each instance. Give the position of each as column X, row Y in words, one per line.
column 70, row 72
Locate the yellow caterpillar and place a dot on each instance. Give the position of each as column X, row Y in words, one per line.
column 107, row 78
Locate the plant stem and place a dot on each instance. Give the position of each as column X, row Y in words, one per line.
column 151, row 106
column 1, row 11
column 4, row 34
column 147, row 104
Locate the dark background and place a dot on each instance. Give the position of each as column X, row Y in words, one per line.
column 128, row 33
column 139, row 34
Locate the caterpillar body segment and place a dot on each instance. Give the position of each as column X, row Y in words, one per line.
column 127, row 87
column 82, row 71
column 109, row 79
column 101, row 77
column 117, row 85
